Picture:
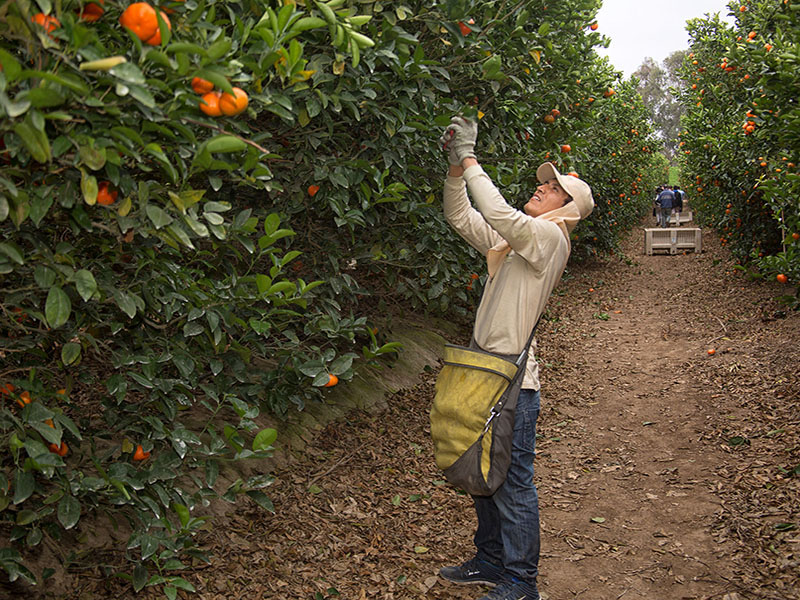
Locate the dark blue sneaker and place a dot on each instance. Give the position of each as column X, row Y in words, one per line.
column 475, row 571
column 513, row 589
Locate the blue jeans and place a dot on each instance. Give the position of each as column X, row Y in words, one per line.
column 508, row 521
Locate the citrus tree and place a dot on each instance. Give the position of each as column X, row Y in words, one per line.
column 206, row 206
column 740, row 141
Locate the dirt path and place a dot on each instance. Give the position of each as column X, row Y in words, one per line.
column 664, row 472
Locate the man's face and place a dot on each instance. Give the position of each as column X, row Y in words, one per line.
column 549, row 196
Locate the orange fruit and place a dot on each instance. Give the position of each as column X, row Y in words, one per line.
column 312, row 190
column 60, row 450
column 796, row 236
column 209, row 104
column 573, row 174
column 92, row 11
column 140, row 454
column 593, row 26
column 555, row 112
column 711, row 352
column 49, row 23
column 465, row 29
column 332, row 380
column 140, row 18
column 549, row 119
column 202, row 86
column 24, row 398
column 782, row 278
column 6, row 389
column 106, row 195
column 232, row 105
column 566, row 148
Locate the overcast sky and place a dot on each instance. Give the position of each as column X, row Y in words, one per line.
column 654, row 28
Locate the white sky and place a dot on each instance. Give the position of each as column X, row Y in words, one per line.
column 654, row 28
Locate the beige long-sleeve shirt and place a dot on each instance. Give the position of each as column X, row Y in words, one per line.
column 517, row 294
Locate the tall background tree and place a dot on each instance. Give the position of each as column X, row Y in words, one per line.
column 655, row 84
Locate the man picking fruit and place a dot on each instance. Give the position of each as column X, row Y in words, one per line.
column 526, row 253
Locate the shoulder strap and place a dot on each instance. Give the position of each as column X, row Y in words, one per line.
column 524, row 353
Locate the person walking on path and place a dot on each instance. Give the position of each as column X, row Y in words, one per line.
column 656, row 207
column 526, row 253
column 664, row 201
column 677, row 205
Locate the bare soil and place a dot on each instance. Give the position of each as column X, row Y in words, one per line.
column 664, row 472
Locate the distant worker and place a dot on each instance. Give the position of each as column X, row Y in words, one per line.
column 677, row 205
column 656, row 207
column 665, row 200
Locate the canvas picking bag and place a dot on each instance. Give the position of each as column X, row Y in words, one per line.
column 472, row 417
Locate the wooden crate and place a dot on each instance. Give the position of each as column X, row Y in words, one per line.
column 672, row 240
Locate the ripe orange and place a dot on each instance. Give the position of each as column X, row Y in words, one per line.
column 106, row 195
column 573, row 174
column 549, row 119
column 566, row 148
column 312, row 190
column 782, row 278
column 6, row 389
column 232, row 105
column 141, row 19
column 202, row 86
column 140, row 454
column 711, row 352
column 796, row 236
column 60, row 450
column 209, row 104
column 24, row 398
column 465, row 30
column 332, row 380
column 49, row 23
column 92, row 11
column 555, row 112
column 593, row 26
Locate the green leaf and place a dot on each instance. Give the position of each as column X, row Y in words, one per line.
column 69, row 511
column 264, row 439
column 12, row 251
column 225, row 143
column 89, row 188
column 262, row 500
column 158, row 216
column 70, row 352
column 11, row 67
column 85, row 284
column 183, row 513
column 94, row 158
column 140, row 577
column 24, row 484
column 34, row 139
column 57, row 307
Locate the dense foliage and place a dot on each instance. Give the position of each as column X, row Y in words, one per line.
column 172, row 268
column 741, row 138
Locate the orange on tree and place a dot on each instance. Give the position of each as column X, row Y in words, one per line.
column 106, row 195
column 233, row 104
column 24, row 398
column 92, row 11
column 49, row 23
column 594, row 26
column 140, row 18
column 332, row 380
column 782, row 278
column 202, row 86
column 209, row 104
column 312, row 190
column 566, row 148
column 140, row 454
column 60, row 450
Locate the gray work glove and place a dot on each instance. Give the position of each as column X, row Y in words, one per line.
column 446, row 142
column 465, row 134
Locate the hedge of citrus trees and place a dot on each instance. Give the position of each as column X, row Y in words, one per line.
column 741, row 140
column 208, row 207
